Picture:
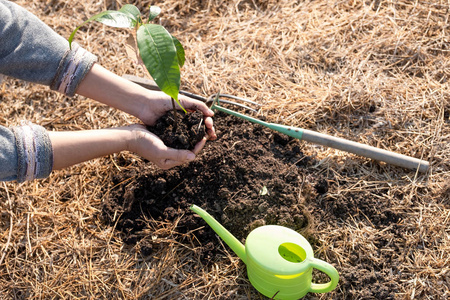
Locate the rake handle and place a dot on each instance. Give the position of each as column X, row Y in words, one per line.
column 337, row 143
column 365, row 150
column 352, row 147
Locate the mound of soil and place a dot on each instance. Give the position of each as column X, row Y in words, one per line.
column 250, row 176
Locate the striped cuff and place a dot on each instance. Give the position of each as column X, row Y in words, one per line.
column 34, row 152
column 74, row 66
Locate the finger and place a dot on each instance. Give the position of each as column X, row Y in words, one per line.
column 209, row 122
column 191, row 104
column 175, row 158
column 199, row 146
column 179, row 155
column 211, row 133
column 210, row 130
column 206, row 110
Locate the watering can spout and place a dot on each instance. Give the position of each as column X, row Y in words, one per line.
column 224, row 234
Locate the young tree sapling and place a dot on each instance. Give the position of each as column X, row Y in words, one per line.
column 161, row 53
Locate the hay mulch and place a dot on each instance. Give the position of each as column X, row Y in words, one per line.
column 371, row 71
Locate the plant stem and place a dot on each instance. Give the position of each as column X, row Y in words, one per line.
column 175, row 115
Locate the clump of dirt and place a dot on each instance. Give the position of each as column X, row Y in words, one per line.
column 181, row 132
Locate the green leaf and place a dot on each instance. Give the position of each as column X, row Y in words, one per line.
column 133, row 11
column 117, row 19
column 111, row 18
column 154, row 12
column 180, row 51
column 159, row 55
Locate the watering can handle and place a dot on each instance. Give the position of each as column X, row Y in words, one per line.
column 327, row 269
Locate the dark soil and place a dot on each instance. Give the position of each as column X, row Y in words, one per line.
column 184, row 134
column 250, row 176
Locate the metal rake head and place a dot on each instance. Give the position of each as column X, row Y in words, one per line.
column 215, row 100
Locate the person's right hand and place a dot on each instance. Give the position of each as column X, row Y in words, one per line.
column 113, row 90
column 152, row 148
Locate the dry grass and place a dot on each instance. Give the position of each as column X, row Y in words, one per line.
column 371, row 71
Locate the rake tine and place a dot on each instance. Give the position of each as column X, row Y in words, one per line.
column 233, row 103
column 238, row 98
column 215, row 97
column 238, row 104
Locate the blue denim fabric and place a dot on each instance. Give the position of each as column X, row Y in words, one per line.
column 8, row 155
column 32, row 51
column 13, row 158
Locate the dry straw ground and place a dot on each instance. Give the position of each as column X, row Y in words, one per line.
column 371, row 71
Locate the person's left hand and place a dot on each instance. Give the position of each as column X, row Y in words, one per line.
column 151, row 147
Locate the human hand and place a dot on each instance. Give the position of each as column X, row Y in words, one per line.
column 108, row 88
column 156, row 104
column 152, row 148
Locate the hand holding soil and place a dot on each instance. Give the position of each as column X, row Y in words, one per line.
column 151, row 147
column 149, row 107
column 112, row 90
column 74, row 147
column 154, row 104
column 174, row 140
column 157, row 107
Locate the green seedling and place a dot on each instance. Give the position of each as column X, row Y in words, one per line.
column 161, row 53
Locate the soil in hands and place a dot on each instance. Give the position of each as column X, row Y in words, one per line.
column 183, row 134
column 250, row 176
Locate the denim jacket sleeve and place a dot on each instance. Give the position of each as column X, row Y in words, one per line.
column 25, row 153
column 32, row 51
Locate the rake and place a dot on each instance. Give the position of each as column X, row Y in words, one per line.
column 303, row 134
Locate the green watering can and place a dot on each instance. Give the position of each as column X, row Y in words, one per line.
column 279, row 260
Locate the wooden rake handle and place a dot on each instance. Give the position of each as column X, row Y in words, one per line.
column 337, row 143
column 366, row 151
